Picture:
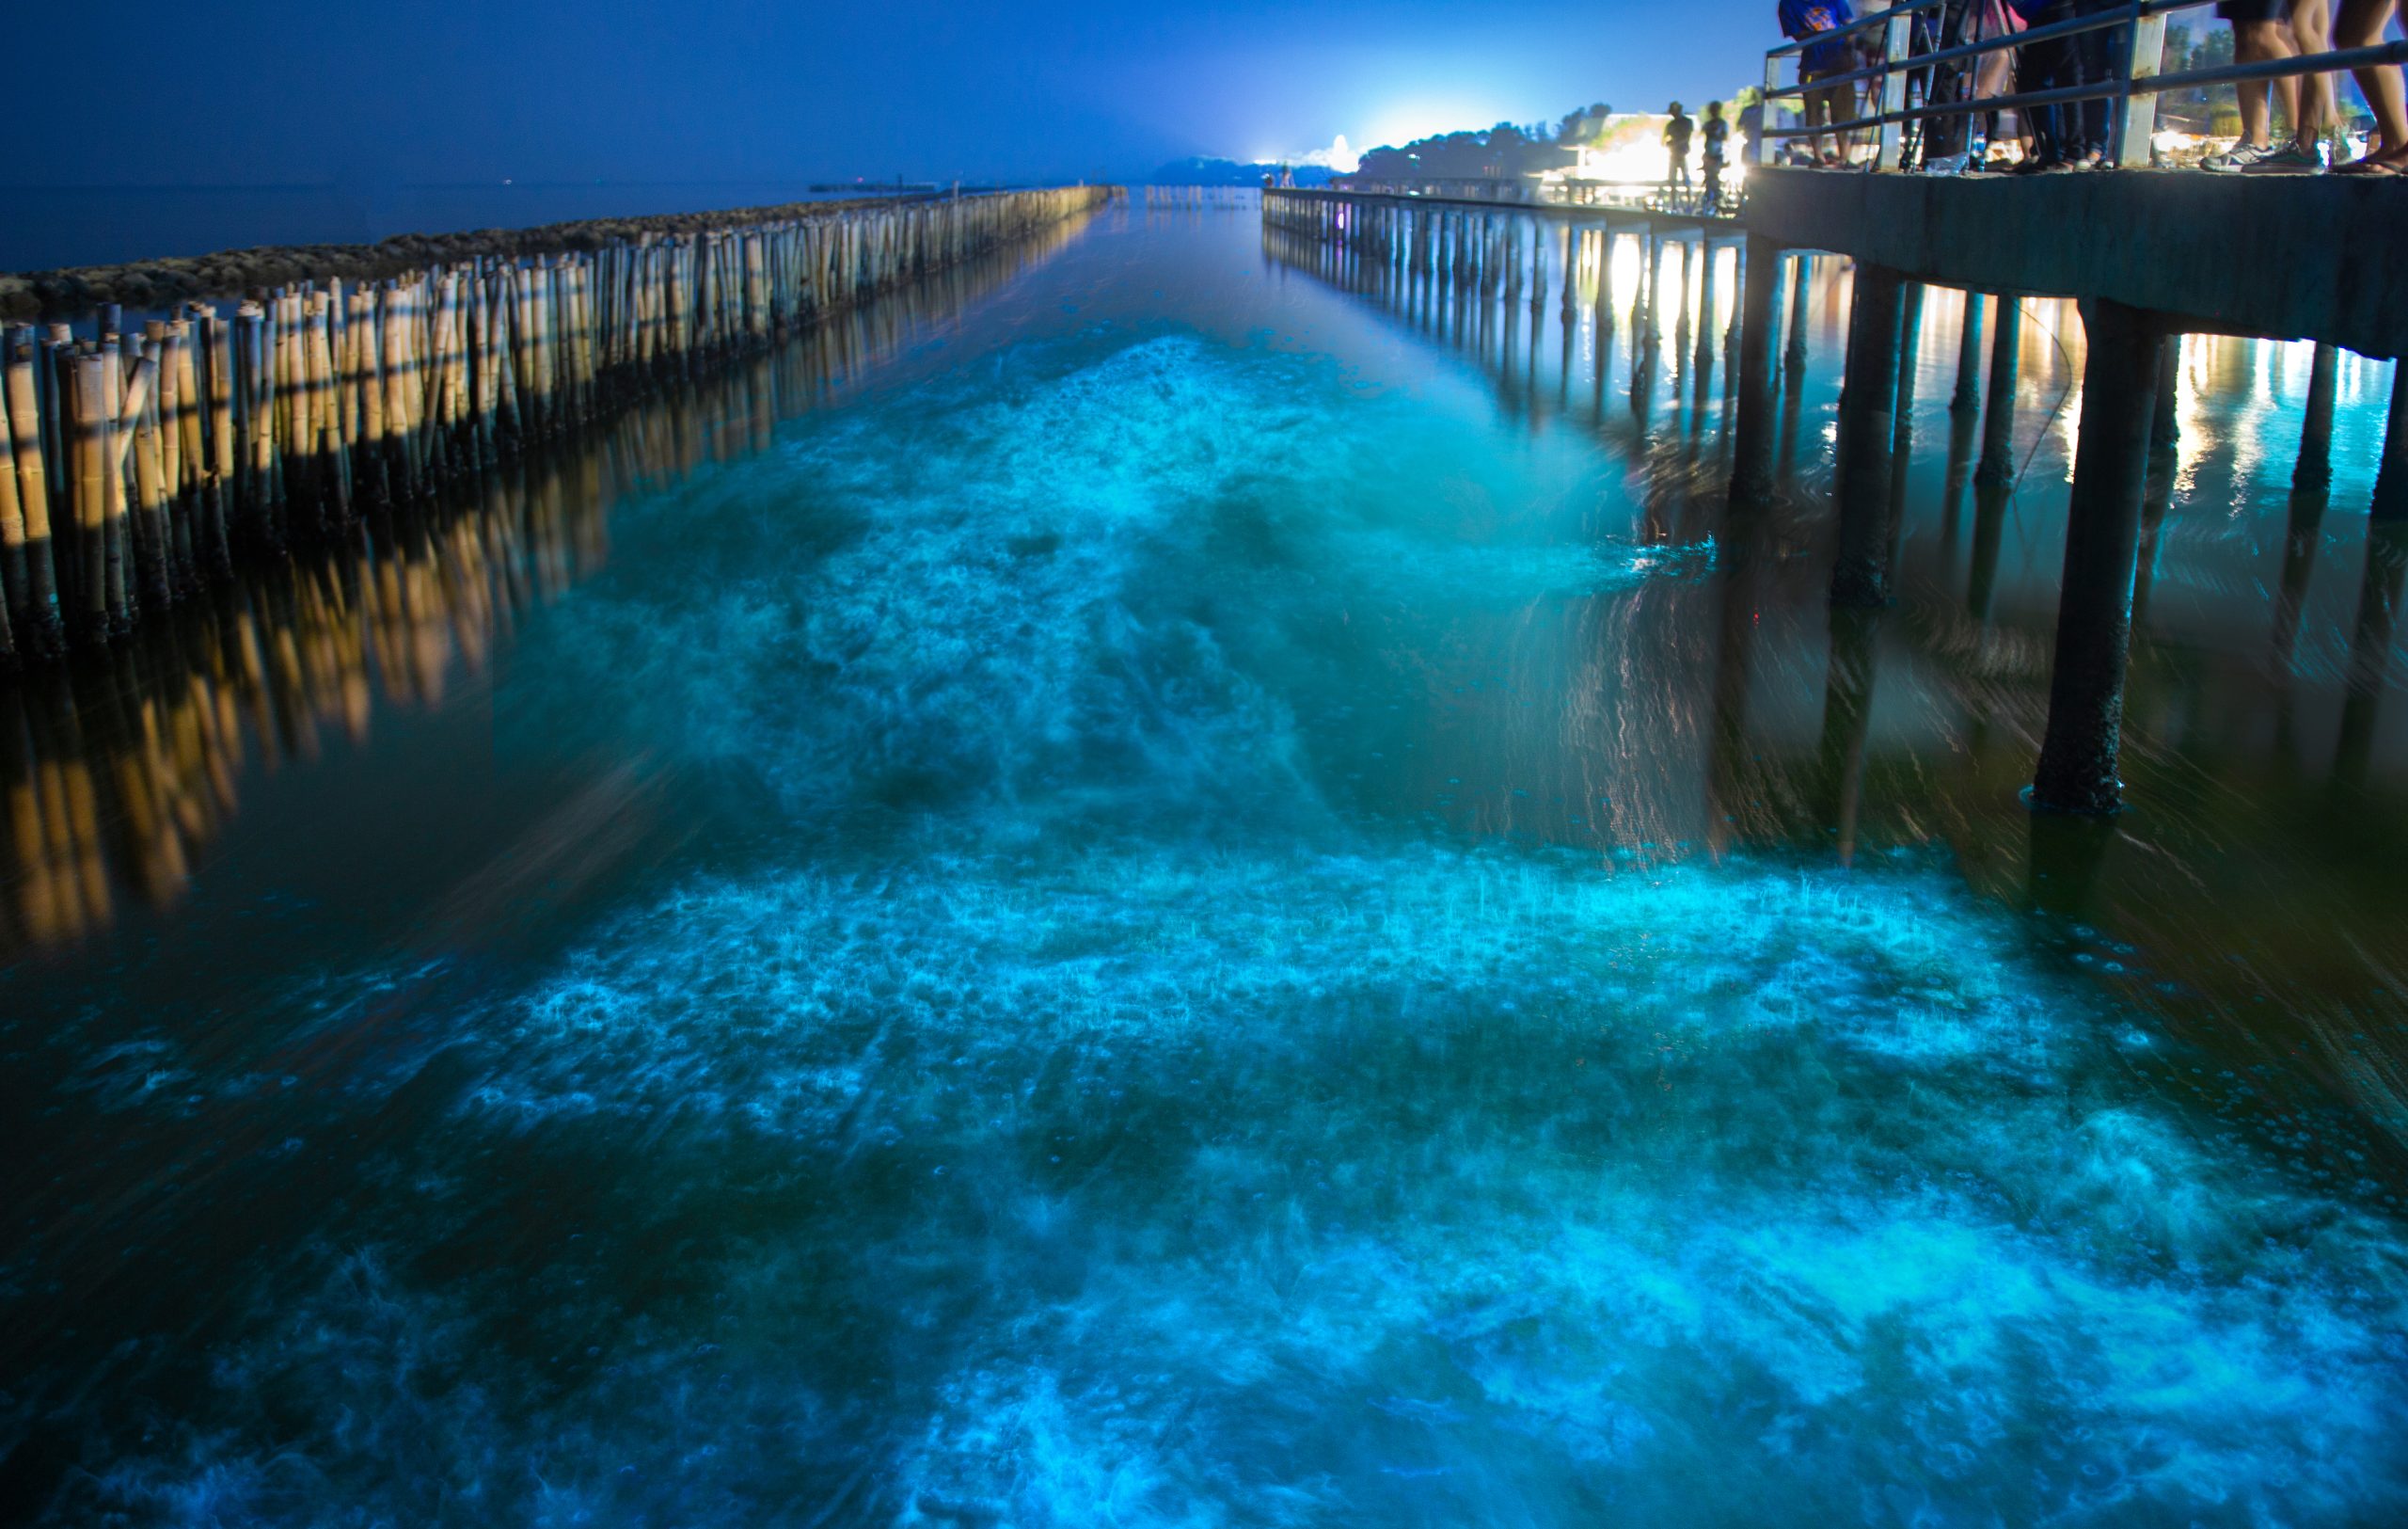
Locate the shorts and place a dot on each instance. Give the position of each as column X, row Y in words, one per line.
column 2255, row 10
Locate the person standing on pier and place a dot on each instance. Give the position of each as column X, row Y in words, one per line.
column 1677, row 133
column 1717, row 137
column 1824, row 103
column 2269, row 29
column 2361, row 24
column 2068, row 135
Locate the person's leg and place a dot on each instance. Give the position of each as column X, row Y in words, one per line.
column 2360, row 24
column 2044, row 65
column 1818, row 114
column 2255, row 41
column 2312, row 30
column 2095, row 56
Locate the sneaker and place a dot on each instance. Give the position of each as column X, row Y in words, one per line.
column 1944, row 165
column 2297, row 158
column 2244, row 156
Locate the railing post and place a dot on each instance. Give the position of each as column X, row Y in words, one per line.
column 1898, row 44
column 1761, row 148
column 2136, row 115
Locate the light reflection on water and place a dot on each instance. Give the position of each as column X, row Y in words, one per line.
column 1223, row 895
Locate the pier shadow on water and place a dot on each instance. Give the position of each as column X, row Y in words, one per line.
column 1201, row 885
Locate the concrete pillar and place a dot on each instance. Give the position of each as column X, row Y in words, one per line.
column 1998, row 424
column 2314, row 470
column 1800, row 295
column 1868, row 404
column 2391, row 482
column 2077, row 769
column 1902, row 432
column 1703, row 362
column 1758, row 289
column 1968, row 396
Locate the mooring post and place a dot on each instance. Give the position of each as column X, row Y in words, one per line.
column 1758, row 289
column 1998, row 424
column 1868, row 403
column 1968, row 396
column 2314, row 470
column 2078, row 750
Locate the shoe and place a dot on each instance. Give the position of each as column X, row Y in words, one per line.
column 1944, row 165
column 2293, row 157
column 2036, row 166
column 2244, row 156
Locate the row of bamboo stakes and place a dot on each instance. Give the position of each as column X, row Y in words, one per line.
column 140, row 462
column 116, row 774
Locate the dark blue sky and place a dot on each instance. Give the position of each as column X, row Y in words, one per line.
column 405, row 91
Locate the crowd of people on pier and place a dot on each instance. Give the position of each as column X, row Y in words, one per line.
column 2069, row 135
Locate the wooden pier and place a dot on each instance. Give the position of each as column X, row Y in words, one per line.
column 2149, row 255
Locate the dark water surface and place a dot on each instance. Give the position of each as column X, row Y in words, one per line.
column 1176, row 887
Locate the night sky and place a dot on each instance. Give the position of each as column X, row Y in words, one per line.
column 406, row 91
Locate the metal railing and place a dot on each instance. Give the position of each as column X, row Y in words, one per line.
column 2136, row 76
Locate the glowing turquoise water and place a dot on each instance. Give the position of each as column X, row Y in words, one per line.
column 963, row 981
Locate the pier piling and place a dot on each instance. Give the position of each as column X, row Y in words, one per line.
column 2079, row 748
column 1868, row 403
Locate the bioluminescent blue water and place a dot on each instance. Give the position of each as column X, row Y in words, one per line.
column 1120, row 926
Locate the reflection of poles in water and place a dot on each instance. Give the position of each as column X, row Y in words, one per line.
column 2066, row 855
column 1734, row 663
column 1989, row 529
column 1902, row 417
column 1847, row 715
column 2290, row 596
column 2157, row 497
column 2314, row 470
column 123, row 766
column 1962, row 427
column 2370, row 649
column 1643, row 381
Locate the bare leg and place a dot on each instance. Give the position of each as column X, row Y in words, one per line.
column 2360, row 24
column 2312, row 29
column 2254, row 42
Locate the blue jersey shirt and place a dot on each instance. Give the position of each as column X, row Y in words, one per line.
column 1804, row 18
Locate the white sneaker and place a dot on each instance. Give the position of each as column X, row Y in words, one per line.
column 1944, row 165
column 2242, row 157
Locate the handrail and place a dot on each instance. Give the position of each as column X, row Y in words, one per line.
column 2133, row 88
